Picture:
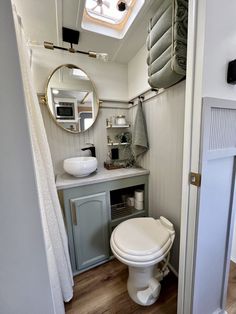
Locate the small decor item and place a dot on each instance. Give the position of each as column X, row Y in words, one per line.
column 124, row 137
column 121, row 120
column 114, row 153
column 113, row 120
column 111, row 165
column 130, row 201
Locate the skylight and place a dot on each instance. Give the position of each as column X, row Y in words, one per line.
column 107, row 11
column 80, row 74
column 104, row 17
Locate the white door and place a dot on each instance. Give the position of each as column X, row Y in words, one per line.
column 210, row 223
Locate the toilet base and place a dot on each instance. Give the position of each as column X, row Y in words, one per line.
column 143, row 286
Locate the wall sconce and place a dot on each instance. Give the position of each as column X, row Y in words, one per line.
column 72, row 37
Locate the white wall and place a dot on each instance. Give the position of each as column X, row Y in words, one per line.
column 220, row 48
column 110, row 78
column 25, row 286
column 165, row 123
column 138, row 74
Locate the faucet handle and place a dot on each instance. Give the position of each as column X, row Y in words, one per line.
column 89, row 144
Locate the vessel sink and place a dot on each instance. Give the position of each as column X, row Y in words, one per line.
column 80, row 166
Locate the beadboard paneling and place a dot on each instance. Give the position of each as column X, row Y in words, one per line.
column 64, row 144
column 223, row 128
column 165, row 125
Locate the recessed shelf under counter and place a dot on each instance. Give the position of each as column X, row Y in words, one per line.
column 93, row 206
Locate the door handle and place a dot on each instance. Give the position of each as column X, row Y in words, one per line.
column 74, row 215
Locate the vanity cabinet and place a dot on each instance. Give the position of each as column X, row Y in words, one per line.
column 93, row 207
column 90, row 229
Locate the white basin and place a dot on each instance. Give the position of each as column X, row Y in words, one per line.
column 80, row 166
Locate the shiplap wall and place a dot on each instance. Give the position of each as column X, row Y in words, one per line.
column 64, row 144
column 165, row 125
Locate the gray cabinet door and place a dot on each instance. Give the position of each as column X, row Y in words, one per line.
column 90, row 229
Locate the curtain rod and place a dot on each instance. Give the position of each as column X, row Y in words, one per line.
column 113, row 100
column 140, row 96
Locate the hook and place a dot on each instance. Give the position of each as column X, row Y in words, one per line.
column 141, row 97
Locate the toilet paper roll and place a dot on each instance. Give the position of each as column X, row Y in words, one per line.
column 130, row 201
column 138, row 205
column 138, row 194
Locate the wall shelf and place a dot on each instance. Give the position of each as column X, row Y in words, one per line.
column 118, row 126
column 118, row 144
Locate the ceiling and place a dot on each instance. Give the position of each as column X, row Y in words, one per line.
column 43, row 21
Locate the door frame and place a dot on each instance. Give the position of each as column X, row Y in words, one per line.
column 191, row 156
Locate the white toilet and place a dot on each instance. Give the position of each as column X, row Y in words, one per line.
column 141, row 243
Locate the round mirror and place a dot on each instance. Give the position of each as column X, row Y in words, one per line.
column 71, row 98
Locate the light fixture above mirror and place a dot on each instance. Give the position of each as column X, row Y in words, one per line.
column 72, row 37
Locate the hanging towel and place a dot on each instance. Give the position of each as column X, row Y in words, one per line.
column 140, row 138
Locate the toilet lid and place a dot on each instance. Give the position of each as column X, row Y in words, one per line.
column 141, row 237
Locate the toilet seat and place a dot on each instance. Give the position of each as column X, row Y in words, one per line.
column 141, row 241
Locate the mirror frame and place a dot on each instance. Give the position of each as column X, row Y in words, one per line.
column 69, row 65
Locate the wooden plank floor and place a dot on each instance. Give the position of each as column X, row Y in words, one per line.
column 103, row 290
column 231, row 296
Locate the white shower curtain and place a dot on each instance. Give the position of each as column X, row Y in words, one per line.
column 52, row 221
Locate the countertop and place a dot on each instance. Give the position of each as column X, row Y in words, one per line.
column 66, row 181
